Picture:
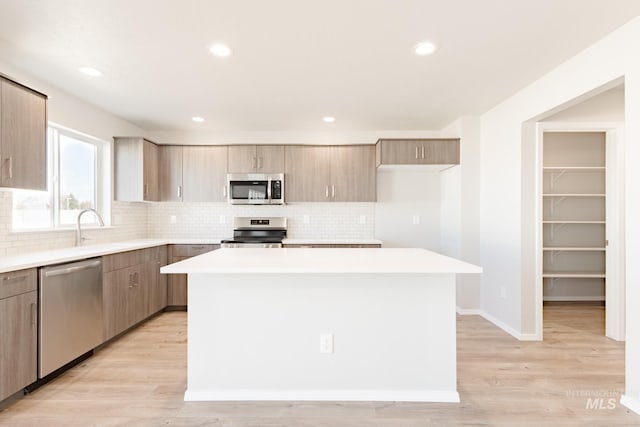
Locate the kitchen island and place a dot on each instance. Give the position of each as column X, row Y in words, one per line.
column 322, row 324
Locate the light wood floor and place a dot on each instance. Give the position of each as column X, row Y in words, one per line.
column 140, row 379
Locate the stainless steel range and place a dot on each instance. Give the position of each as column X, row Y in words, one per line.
column 258, row 232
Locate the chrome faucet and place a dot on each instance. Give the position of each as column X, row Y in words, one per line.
column 79, row 237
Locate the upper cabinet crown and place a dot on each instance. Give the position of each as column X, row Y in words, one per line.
column 418, row 152
column 136, row 169
column 23, row 137
column 256, row 158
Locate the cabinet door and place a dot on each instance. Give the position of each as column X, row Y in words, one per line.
column 121, row 300
column 177, row 292
column 307, row 170
column 353, row 173
column 440, row 152
column 157, row 294
column 242, row 159
column 18, row 341
column 204, row 171
column 170, row 173
column 400, row 152
column 23, row 137
column 270, row 158
column 150, row 171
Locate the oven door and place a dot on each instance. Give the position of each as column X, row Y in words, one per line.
column 249, row 192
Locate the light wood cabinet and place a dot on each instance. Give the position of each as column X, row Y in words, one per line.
column 133, row 288
column 330, row 173
column 204, row 173
column 418, row 151
column 256, row 158
column 23, row 130
column 170, row 173
column 136, row 169
column 18, row 331
column 177, row 283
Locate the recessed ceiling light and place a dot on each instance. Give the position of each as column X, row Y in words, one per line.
column 220, row 49
column 197, row 119
column 328, row 119
column 90, row 71
column 425, row 48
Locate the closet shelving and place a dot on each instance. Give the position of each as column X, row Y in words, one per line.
column 574, row 220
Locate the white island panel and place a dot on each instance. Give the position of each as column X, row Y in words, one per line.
column 256, row 316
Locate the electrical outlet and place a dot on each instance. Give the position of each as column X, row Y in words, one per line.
column 363, row 219
column 305, row 219
column 223, row 219
column 173, row 219
column 416, row 219
column 503, row 292
column 326, row 343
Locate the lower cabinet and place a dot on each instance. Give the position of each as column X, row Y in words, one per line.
column 18, row 331
column 177, row 295
column 132, row 288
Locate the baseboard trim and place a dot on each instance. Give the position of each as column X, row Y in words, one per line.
column 508, row 329
column 469, row 311
column 631, row 403
column 324, row 395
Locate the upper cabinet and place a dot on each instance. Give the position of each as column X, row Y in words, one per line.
column 256, row 158
column 204, row 173
column 418, row 152
column 330, row 173
column 23, row 142
column 136, row 169
column 170, row 173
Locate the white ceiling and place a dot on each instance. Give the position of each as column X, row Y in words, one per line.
column 295, row 61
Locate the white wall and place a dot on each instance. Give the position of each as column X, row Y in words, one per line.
column 504, row 224
column 405, row 193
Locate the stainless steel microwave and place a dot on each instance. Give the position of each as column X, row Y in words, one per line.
column 255, row 188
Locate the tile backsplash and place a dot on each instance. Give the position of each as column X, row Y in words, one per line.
column 129, row 222
column 305, row 220
column 193, row 221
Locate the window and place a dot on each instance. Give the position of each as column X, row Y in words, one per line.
column 75, row 181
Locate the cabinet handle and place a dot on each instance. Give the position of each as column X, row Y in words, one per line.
column 197, row 247
column 144, row 192
column 423, row 151
column 179, row 191
column 416, row 152
column 259, row 162
column 326, row 191
column 333, row 191
column 34, row 314
column 10, row 167
column 14, row 278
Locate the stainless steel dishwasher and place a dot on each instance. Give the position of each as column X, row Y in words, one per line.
column 70, row 321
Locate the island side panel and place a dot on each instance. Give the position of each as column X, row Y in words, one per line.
column 257, row 337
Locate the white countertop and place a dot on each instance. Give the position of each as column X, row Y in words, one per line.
column 57, row 256
column 321, row 260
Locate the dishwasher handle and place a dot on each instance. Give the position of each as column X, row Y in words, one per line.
column 72, row 269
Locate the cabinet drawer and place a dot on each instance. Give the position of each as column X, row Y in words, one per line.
column 122, row 260
column 191, row 250
column 18, row 282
